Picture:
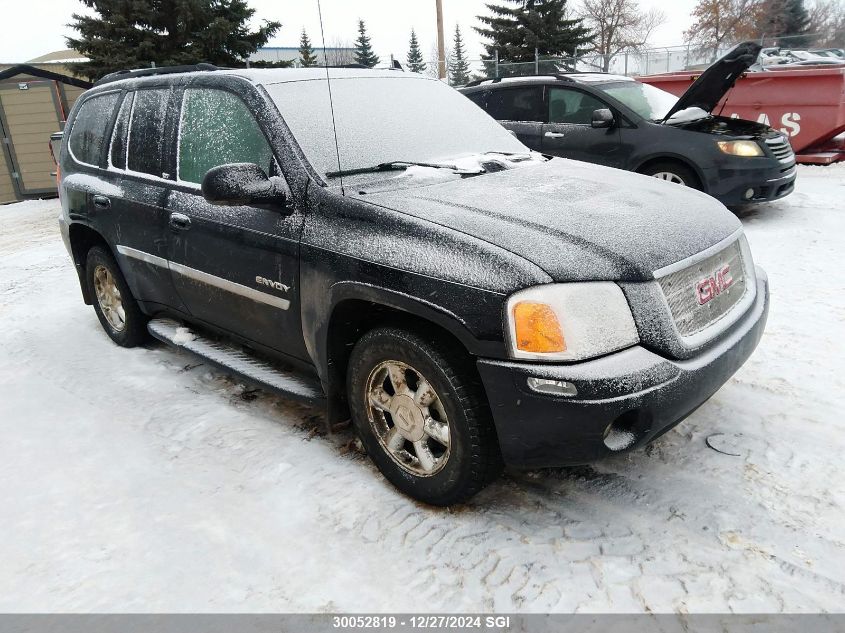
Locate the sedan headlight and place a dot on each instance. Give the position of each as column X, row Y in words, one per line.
column 740, row 148
column 570, row 321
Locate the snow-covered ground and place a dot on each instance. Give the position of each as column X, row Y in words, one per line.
column 137, row 480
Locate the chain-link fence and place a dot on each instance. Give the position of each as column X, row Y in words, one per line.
column 822, row 48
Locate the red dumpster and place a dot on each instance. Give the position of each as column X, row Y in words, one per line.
column 806, row 104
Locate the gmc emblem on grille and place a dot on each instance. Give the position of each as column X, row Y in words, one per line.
column 711, row 287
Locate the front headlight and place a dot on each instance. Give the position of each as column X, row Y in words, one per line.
column 740, row 148
column 570, row 321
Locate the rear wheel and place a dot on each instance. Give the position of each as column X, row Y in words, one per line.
column 673, row 172
column 422, row 416
column 114, row 304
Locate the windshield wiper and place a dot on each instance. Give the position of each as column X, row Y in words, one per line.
column 391, row 166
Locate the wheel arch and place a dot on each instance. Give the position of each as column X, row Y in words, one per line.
column 359, row 308
column 82, row 239
column 674, row 158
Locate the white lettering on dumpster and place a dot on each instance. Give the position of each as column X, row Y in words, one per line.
column 789, row 121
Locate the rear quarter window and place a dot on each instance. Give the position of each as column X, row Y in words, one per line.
column 516, row 104
column 117, row 153
column 479, row 99
column 91, row 128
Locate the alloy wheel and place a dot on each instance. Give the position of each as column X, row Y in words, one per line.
column 408, row 418
column 108, row 298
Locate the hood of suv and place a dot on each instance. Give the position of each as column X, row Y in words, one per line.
column 575, row 220
column 711, row 85
column 726, row 126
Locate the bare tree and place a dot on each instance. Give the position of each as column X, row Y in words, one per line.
column 432, row 60
column 827, row 21
column 618, row 25
column 339, row 52
column 720, row 22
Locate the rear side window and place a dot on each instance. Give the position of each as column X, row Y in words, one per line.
column 90, row 131
column 217, row 128
column 572, row 106
column 146, row 132
column 516, row 104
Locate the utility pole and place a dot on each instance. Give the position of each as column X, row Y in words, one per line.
column 441, row 44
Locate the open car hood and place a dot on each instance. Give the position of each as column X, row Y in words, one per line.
column 713, row 83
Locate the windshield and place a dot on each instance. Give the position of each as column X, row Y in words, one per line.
column 382, row 120
column 647, row 101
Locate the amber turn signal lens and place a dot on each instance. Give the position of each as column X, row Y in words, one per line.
column 537, row 328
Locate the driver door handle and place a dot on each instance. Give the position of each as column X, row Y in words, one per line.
column 554, row 135
column 179, row 222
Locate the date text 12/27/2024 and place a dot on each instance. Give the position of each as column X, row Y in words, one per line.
column 486, row 622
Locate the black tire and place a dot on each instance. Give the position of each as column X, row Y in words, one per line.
column 473, row 458
column 134, row 327
column 682, row 172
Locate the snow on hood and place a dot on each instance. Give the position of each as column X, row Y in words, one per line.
column 577, row 221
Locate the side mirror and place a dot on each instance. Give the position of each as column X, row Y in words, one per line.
column 240, row 184
column 602, row 118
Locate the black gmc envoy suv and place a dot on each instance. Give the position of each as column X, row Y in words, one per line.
column 373, row 242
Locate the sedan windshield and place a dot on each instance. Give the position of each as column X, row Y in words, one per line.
column 386, row 120
column 649, row 102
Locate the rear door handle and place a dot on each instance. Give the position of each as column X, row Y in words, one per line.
column 179, row 222
column 101, row 202
column 555, row 134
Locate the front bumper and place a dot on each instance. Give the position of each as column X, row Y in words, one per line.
column 635, row 394
column 730, row 182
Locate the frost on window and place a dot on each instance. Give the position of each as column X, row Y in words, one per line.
column 117, row 156
column 90, row 129
column 384, row 119
column 217, row 128
column 146, row 132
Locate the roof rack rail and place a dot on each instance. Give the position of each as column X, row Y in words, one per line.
column 560, row 76
column 159, row 70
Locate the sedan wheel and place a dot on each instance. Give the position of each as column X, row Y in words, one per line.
column 669, row 177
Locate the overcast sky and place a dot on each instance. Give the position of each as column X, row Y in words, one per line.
column 34, row 27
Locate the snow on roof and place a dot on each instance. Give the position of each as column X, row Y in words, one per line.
column 267, row 76
column 64, row 56
column 596, row 78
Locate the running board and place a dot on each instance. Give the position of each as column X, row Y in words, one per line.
column 230, row 358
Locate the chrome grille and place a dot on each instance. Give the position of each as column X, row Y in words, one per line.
column 782, row 150
column 698, row 295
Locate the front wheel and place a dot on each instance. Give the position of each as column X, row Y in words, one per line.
column 674, row 173
column 114, row 304
column 422, row 416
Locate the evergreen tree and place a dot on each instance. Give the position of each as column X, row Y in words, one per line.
column 364, row 54
column 458, row 63
column 416, row 63
column 306, row 52
column 787, row 20
column 515, row 31
column 136, row 33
